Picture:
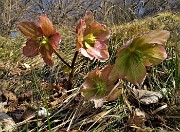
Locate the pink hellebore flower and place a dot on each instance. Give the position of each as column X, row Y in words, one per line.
column 42, row 38
column 92, row 37
column 97, row 85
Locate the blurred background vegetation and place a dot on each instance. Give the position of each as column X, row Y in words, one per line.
column 67, row 12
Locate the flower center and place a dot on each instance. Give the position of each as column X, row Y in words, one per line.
column 101, row 87
column 44, row 41
column 89, row 40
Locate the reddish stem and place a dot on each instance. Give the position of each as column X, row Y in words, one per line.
column 70, row 81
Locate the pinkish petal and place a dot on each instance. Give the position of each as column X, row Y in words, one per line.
column 105, row 72
column 88, row 17
column 89, row 86
column 115, row 93
column 156, row 36
column 47, row 55
column 100, row 31
column 30, row 29
column 99, row 51
column 84, row 53
column 80, row 26
column 79, row 41
column 55, row 40
column 31, row 49
column 91, row 79
column 47, row 26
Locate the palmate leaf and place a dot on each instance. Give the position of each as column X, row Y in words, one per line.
column 138, row 53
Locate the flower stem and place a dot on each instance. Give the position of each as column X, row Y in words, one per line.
column 61, row 58
column 70, row 81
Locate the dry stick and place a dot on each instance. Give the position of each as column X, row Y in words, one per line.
column 61, row 59
column 70, row 81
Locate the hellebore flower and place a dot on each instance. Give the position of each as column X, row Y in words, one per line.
column 97, row 85
column 42, row 38
column 92, row 37
column 136, row 54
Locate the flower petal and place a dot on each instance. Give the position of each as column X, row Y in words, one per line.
column 128, row 65
column 105, row 72
column 89, row 86
column 47, row 55
column 79, row 41
column 100, row 31
column 55, row 40
column 156, row 36
column 155, row 55
column 89, row 17
column 80, row 26
column 31, row 49
column 30, row 29
column 84, row 52
column 47, row 26
column 99, row 51
column 96, row 86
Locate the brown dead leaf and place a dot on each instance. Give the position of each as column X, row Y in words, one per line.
column 28, row 113
column 58, row 100
column 11, row 99
column 49, row 86
column 147, row 97
column 10, row 96
column 25, row 96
